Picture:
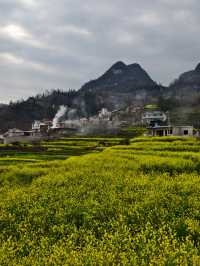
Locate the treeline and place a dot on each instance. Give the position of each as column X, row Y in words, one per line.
column 22, row 113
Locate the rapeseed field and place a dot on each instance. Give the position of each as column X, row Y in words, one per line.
column 100, row 202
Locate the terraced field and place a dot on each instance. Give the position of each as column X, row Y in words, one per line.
column 54, row 150
column 96, row 202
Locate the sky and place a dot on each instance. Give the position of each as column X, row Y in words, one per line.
column 47, row 44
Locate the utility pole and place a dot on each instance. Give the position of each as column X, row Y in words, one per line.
column 168, row 118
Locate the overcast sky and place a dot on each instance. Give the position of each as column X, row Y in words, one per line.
column 46, row 44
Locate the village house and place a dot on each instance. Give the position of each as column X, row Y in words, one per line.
column 159, row 131
column 158, row 124
column 17, row 135
column 41, row 126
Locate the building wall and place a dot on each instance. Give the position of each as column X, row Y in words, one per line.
column 186, row 131
column 160, row 132
column 22, row 139
column 183, row 131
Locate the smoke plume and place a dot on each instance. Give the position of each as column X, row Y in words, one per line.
column 62, row 110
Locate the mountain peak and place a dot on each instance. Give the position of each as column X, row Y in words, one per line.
column 121, row 78
column 119, row 65
column 134, row 65
column 197, row 69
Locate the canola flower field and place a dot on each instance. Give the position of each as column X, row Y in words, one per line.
column 101, row 202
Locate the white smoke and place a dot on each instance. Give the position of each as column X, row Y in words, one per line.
column 72, row 114
column 62, row 110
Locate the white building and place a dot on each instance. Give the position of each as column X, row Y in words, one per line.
column 152, row 116
column 36, row 125
column 104, row 114
column 41, row 126
column 14, row 132
column 16, row 135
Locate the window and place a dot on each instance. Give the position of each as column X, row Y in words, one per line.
column 185, row 132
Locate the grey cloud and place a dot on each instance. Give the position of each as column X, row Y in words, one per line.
column 73, row 41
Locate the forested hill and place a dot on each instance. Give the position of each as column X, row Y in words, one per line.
column 120, row 86
column 22, row 113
